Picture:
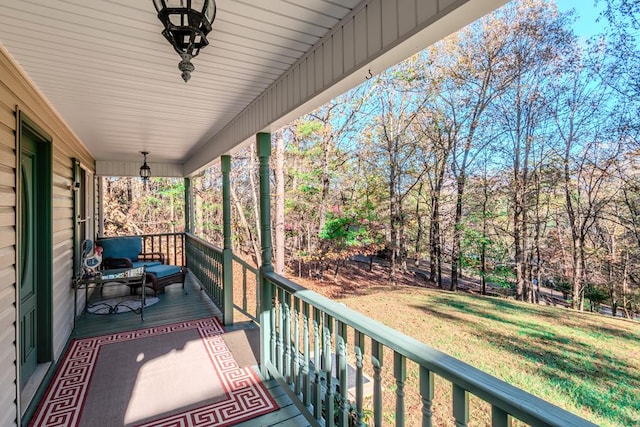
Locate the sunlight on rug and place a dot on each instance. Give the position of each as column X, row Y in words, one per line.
column 179, row 375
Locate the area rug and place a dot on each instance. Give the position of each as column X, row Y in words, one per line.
column 173, row 375
column 120, row 305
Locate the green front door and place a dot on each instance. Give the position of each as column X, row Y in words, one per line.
column 35, row 248
column 28, row 259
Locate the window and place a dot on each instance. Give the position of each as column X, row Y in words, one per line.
column 83, row 227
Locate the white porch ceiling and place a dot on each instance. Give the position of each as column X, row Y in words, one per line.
column 111, row 75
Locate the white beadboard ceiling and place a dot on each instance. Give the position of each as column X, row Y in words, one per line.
column 106, row 68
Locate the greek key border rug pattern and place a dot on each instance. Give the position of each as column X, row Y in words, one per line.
column 246, row 396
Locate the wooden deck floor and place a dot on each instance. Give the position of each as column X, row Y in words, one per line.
column 177, row 305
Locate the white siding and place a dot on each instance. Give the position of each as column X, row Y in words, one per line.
column 8, row 408
column 17, row 90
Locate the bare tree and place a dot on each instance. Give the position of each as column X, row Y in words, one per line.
column 588, row 160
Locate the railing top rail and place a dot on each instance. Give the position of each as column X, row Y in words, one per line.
column 245, row 264
column 218, row 249
column 203, row 242
column 179, row 233
column 517, row 402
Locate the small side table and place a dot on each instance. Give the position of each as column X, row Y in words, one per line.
column 132, row 277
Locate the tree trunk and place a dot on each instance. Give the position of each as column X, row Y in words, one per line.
column 172, row 215
column 526, row 268
column 624, row 287
column 483, row 245
column 257, row 254
column 518, row 202
column 254, row 192
column 325, row 182
column 435, row 239
column 536, row 239
column 393, row 212
column 582, row 272
column 420, row 228
column 517, row 243
column 198, row 213
column 456, row 246
column 577, row 275
column 279, row 248
column 129, row 192
column 576, row 284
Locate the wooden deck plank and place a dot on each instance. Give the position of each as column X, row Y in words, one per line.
column 285, row 416
column 298, row 420
column 175, row 305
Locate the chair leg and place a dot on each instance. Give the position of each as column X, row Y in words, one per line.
column 184, row 279
column 153, row 281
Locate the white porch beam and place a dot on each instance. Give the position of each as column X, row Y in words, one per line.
column 374, row 36
column 126, row 168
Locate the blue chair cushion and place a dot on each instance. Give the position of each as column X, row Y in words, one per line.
column 121, row 247
column 145, row 264
column 163, row 270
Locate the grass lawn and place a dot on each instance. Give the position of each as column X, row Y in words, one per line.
column 585, row 363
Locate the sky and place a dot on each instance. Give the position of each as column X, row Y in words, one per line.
column 587, row 14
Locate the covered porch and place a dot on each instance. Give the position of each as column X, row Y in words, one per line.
column 79, row 113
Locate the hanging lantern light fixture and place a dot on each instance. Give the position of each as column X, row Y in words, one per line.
column 145, row 170
column 186, row 25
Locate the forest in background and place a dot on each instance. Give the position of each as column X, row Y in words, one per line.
column 508, row 151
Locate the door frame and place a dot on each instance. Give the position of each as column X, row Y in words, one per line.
column 44, row 249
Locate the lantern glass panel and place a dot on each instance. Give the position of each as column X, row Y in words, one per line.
column 175, row 3
column 209, row 11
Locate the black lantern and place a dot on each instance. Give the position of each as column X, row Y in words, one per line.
column 186, row 25
column 145, row 170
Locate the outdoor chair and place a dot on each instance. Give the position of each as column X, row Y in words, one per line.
column 126, row 252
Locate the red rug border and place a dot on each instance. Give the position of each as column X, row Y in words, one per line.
column 209, row 328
